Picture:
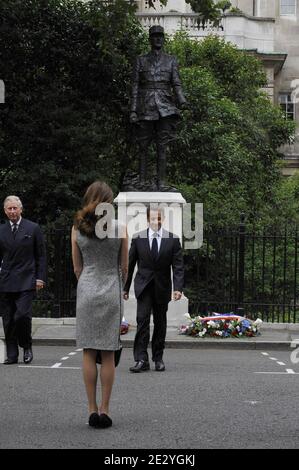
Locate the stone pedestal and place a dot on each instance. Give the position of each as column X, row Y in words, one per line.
column 132, row 212
column 2, row 351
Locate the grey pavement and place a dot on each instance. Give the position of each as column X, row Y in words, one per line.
column 62, row 331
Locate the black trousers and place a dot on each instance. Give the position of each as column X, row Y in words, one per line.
column 16, row 309
column 147, row 304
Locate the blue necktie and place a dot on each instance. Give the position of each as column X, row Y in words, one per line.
column 154, row 250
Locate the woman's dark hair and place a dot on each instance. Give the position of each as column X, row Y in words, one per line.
column 86, row 219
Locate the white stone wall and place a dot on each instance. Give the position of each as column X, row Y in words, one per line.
column 245, row 5
column 248, row 33
column 287, row 40
column 245, row 32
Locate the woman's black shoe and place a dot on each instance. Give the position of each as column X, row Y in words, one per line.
column 104, row 421
column 94, row 420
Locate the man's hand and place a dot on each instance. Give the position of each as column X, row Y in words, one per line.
column 39, row 285
column 126, row 295
column 133, row 117
column 177, row 295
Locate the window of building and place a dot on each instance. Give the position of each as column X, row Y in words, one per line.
column 288, row 7
column 287, row 105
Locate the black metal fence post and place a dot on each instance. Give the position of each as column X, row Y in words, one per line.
column 241, row 267
column 58, row 256
column 230, row 264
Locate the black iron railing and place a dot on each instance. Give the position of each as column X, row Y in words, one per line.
column 253, row 272
column 58, row 299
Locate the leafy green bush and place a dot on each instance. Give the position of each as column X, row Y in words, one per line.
column 66, row 66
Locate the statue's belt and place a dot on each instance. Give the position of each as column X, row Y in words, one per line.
column 155, row 86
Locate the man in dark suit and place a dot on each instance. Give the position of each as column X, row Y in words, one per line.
column 155, row 251
column 156, row 92
column 22, row 272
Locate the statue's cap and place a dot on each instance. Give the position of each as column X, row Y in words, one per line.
column 157, row 29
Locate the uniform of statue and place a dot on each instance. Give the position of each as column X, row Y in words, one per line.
column 156, row 93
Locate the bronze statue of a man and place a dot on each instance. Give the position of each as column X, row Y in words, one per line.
column 156, row 92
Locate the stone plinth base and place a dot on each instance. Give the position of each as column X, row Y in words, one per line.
column 132, row 212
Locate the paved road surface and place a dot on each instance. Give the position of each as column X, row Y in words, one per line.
column 206, row 399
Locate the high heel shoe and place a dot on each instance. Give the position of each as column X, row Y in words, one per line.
column 104, row 421
column 94, row 420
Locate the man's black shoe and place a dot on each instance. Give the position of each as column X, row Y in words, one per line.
column 140, row 366
column 9, row 361
column 28, row 356
column 159, row 366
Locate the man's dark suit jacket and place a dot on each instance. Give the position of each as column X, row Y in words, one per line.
column 170, row 255
column 23, row 258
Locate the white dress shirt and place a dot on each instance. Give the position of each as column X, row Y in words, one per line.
column 151, row 236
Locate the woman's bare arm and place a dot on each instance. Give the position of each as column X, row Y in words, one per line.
column 76, row 255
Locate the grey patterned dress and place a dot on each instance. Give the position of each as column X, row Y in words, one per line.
column 99, row 307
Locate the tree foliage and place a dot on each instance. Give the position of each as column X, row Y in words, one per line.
column 227, row 157
column 228, row 145
column 66, row 66
column 208, row 10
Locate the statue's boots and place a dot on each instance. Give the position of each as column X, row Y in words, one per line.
column 142, row 168
column 161, row 170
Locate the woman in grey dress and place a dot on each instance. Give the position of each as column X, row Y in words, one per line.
column 100, row 265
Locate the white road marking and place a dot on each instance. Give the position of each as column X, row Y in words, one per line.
column 278, row 373
column 78, row 350
column 36, row 367
column 280, row 363
column 290, row 371
column 77, row 368
column 48, row 367
column 65, row 358
column 65, row 367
